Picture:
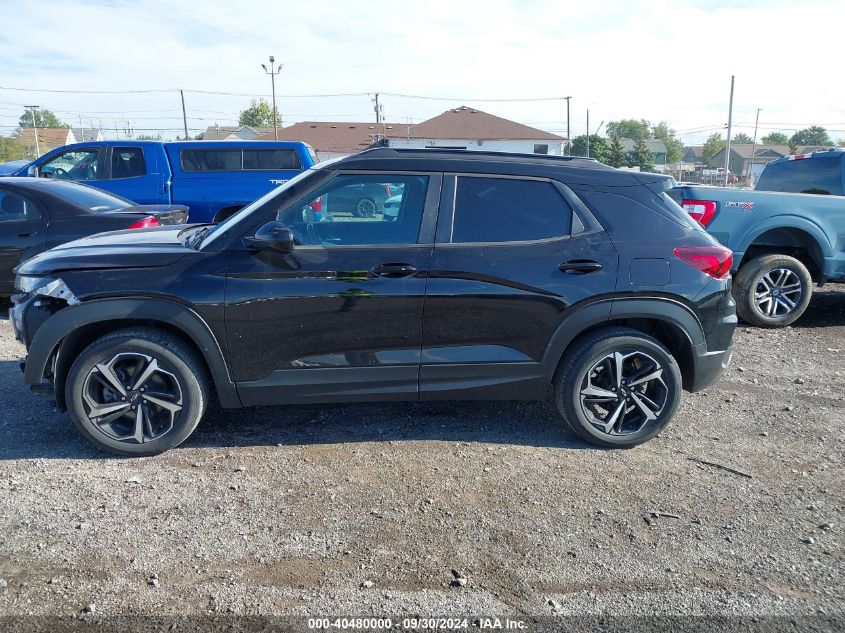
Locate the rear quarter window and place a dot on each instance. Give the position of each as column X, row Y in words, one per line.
column 627, row 217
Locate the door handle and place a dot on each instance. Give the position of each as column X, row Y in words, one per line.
column 394, row 270
column 579, row 266
column 26, row 233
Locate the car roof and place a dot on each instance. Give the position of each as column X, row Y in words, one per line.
column 573, row 169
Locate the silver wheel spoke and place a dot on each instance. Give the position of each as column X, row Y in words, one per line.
column 108, row 373
column 617, row 416
column 164, row 404
column 618, row 360
column 138, row 435
column 647, row 412
column 149, row 370
column 598, row 392
column 657, row 373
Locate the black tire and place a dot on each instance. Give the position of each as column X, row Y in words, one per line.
column 638, row 350
column 365, row 208
column 757, row 276
column 179, row 379
column 225, row 214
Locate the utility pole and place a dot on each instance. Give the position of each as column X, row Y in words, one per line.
column 754, row 145
column 568, row 139
column 588, row 132
column 730, row 121
column 35, row 129
column 184, row 114
column 81, row 128
column 273, row 72
column 377, row 108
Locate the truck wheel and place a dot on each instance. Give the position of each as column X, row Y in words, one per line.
column 365, row 208
column 136, row 391
column 225, row 214
column 617, row 387
column 772, row 290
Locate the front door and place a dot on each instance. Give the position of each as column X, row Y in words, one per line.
column 512, row 258
column 22, row 233
column 340, row 318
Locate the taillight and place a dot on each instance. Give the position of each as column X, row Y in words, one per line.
column 701, row 211
column 146, row 223
column 715, row 261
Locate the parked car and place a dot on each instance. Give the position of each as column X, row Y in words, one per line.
column 214, row 179
column 539, row 274
column 783, row 237
column 11, row 167
column 36, row 215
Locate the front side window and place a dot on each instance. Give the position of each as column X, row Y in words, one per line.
column 73, row 165
column 128, row 162
column 810, row 175
column 16, row 208
column 508, row 210
column 359, row 209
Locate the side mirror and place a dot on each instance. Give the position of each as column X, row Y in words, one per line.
column 32, row 171
column 273, row 236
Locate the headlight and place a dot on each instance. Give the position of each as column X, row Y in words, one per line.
column 27, row 284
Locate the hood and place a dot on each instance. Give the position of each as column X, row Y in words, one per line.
column 135, row 248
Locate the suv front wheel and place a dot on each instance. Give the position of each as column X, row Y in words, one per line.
column 617, row 387
column 136, row 392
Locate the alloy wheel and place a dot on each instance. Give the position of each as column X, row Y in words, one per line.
column 778, row 292
column 366, row 208
column 621, row 393
column 132, row 398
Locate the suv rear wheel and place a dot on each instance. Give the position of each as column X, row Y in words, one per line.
column 136, row 392
column 772, row 290
column 617, row 387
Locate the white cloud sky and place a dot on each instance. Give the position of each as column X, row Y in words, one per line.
column 659, row 60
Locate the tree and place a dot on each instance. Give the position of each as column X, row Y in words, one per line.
column 712, row 146
column 259, row 114
column 148, row 137
column 616, row 155
column 841, row 142
column 775, row 138
column 814, row 135
column 674, row 147
column 10, row 149
column 629, row 128
column 43, row 118
column 598, row 147
column 742, row 138
column 793, row 147
column 642, row 156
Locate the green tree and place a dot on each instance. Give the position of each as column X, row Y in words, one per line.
column 10, row 149
column 743, row 138
column 814, row 135
column 793, row 147
column 616, row 155
column 674, row 147
column 259, row 114
column 642, row 156
column 712, row 146
column 43, row 118
column 598, row 147
column 629, row 128
column 775, row 138
column 148, row 137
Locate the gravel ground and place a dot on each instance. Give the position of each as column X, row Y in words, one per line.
column 367, row 509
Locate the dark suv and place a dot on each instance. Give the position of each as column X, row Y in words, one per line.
column 495, row 277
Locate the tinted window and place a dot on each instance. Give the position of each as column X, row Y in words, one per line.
column 211, row 159
column 72, row 165
column 353, row 210
column 14, row 207
column 128, row 162
column 271, row 159
column 506, row 210
column 810, row 175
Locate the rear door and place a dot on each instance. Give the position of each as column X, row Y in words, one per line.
column 23, row 230
column 133, row 174
column 510, row 261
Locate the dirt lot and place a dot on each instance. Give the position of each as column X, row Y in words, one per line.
column 296, row 510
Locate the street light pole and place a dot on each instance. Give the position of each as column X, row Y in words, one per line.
column 754, row 144
column 588, row 132
column 568, row 139
column 273, row 72
column 35, row 129
column 728, row 145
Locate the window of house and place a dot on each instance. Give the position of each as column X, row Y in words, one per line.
column 128, row 162
column 508, row 210
column 541, row 148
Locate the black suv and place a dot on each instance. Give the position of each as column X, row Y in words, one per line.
column 494, row 276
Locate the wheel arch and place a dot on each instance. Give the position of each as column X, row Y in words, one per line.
column 59, row 340
column 796, row 237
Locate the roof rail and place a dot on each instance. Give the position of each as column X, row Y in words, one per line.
column 380, row 151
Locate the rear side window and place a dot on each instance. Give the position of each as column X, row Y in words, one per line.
column 128, row 162
column 212, row 159
column 508, row 210
column 812, row 175
column 14, row 207
column 271, row 159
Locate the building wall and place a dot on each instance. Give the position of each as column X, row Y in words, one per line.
column 522, row 146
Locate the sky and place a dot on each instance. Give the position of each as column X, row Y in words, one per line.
column 660, row 60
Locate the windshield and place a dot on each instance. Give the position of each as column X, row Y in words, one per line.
column 88, row 197
column 221, row 228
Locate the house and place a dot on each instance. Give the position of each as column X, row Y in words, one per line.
column 333, row 139
column 693, row 155
column 232, row 133
column 740, row 161
column 86, row 134
column 48, row 138
column 655, row 146
column 471, row 129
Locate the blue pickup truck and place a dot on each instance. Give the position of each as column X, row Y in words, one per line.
column 786, row 234
column 212, row 178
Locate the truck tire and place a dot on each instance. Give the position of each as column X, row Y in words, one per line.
column 772, row 290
